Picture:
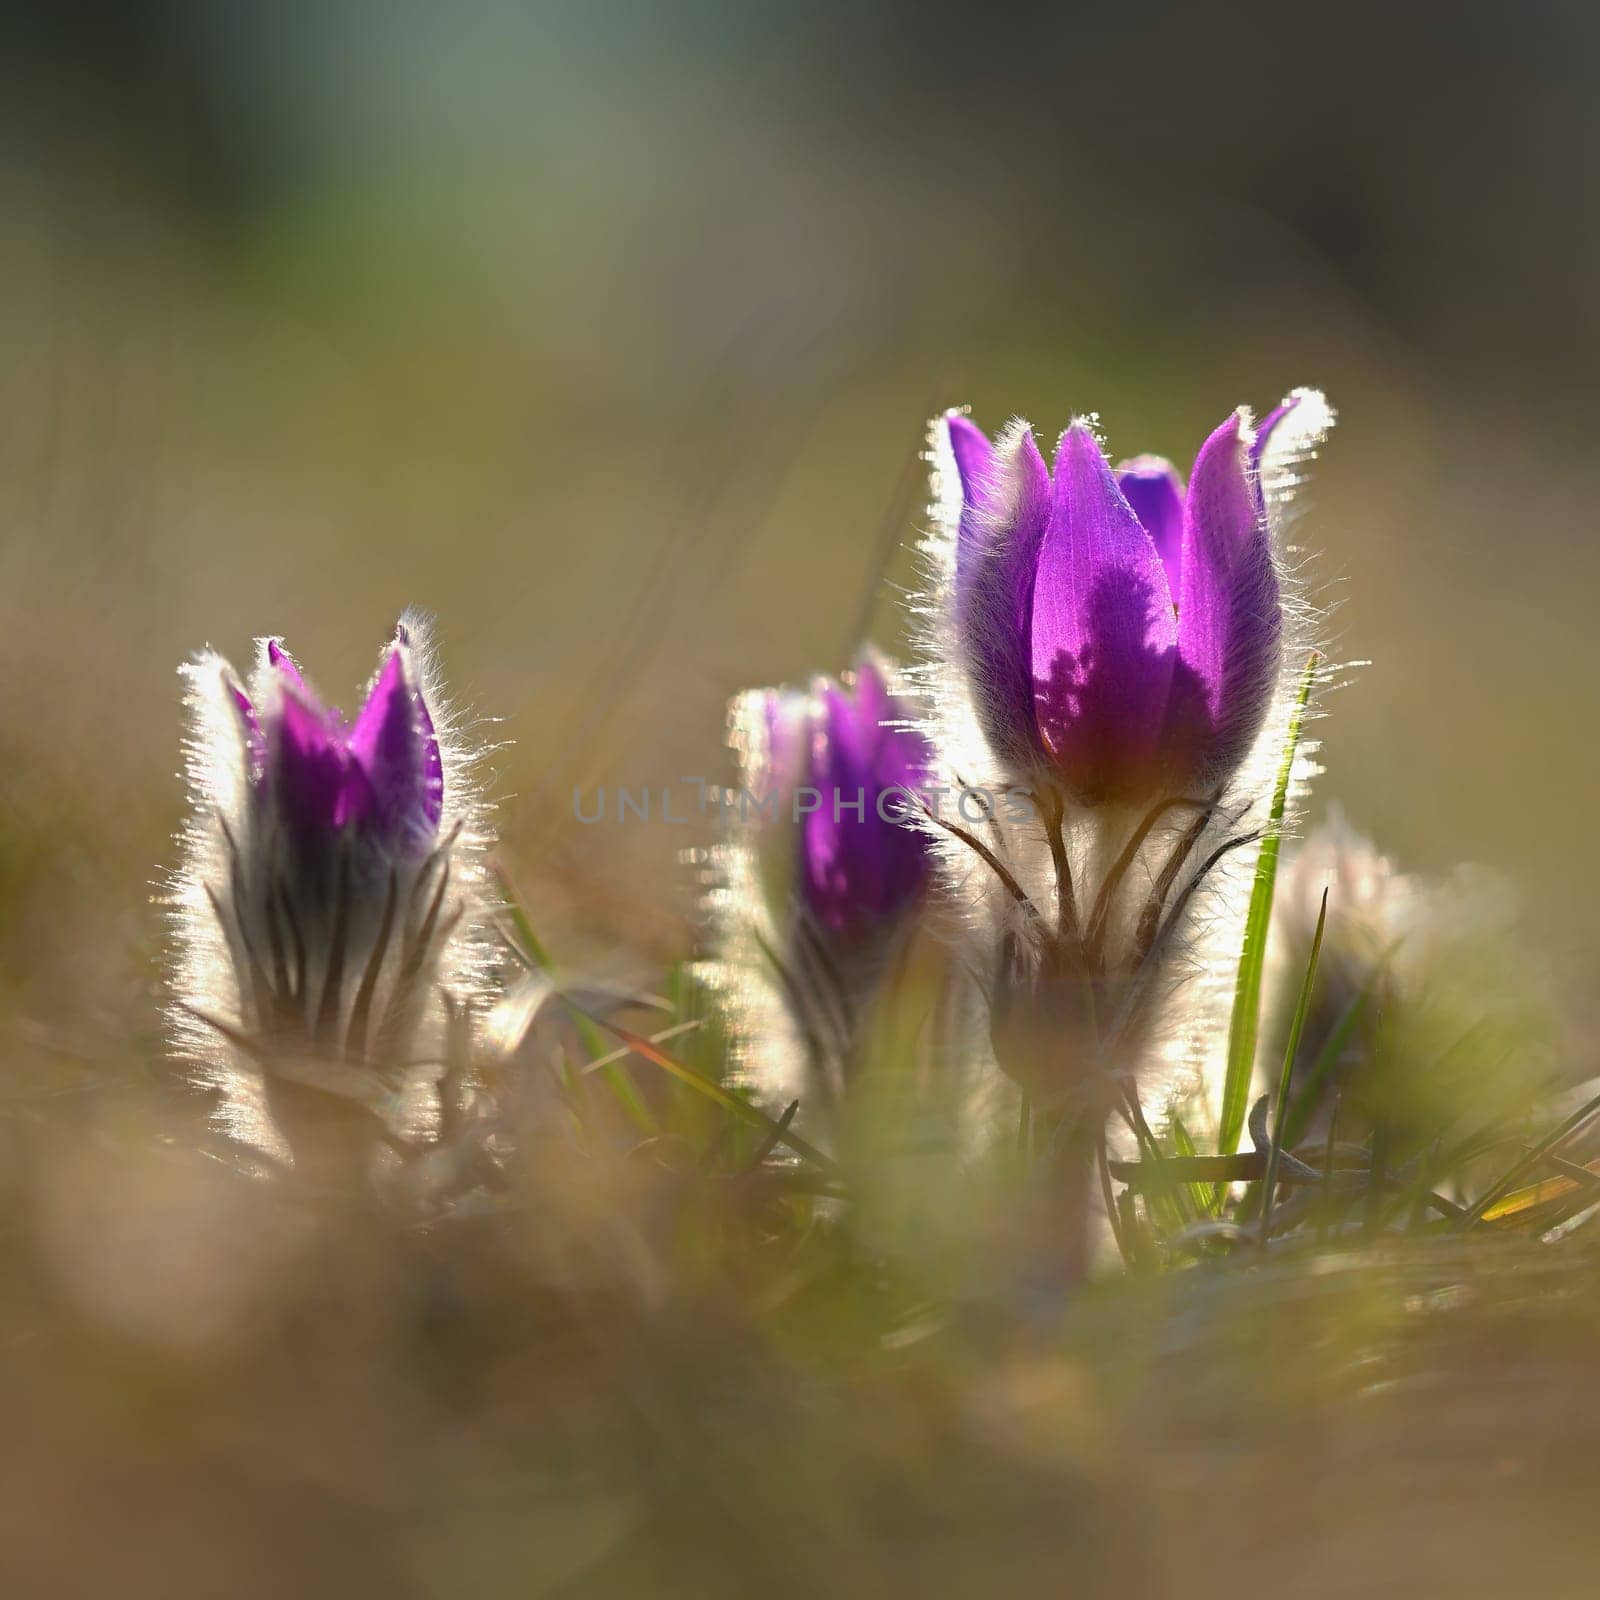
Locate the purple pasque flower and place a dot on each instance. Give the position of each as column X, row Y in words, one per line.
column 862, row 867
column 1116, row 640
column 1121, row 635
column 329, row 902
column 822, row 872
column 835, row 772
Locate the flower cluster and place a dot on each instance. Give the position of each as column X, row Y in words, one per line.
column 1114, row 647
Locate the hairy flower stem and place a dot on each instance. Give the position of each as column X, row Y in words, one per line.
column 1071, row 1008
column 1108, row 1199
column 1053, row 806
column 1060, row 1244
column 1095, row 940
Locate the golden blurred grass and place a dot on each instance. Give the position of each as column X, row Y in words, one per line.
column 217, row 1387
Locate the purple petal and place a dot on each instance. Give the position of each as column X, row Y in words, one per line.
column 1153, row 488
column 433, row 760
column 1229, row 612
column 835, row 870
column 309, row 771
column 825, row 870
column 870, row 705
column 900, row 755
column 788, row 752
column 1269, row 425
column 1103, row 632
column 860, row 871
column 390, row 746
column 432, row 767
column 974, row 457
column 283, row 663
column 255, row 744
column 895, row 757
column 994, row 604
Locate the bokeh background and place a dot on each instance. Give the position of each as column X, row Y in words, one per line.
column 607, row 331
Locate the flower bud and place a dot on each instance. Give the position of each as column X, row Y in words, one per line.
column 329, row 903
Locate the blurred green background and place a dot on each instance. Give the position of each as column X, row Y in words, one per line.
column 608, row 331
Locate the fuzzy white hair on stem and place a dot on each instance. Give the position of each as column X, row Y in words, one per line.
column 747, row 882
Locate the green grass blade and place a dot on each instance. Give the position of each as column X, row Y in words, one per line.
column 1162, row 1195
column 1184, row 1146
column 1306, row 1101
column 777, row 1131
column 1296, row 1029
column 616, row 1075
column 1246, row 1021
column 1519, row 1170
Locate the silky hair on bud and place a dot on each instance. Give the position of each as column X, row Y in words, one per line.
column 330, row 916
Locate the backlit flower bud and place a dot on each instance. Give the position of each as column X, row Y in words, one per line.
column 328, row 908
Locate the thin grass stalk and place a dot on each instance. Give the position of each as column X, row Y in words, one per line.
column 1245, row 1024
column 1305, row 1102
column 1296, row 1029
column 714, row 1091
column 618, row 1080
column 1520, row 1169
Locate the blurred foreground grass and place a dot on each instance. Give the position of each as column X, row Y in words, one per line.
column 673, row 1364
column 635, row 1380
